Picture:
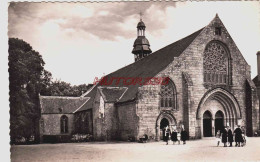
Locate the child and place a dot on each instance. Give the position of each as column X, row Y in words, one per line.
column 243, row 139
column 179, row 137
column 218, row 137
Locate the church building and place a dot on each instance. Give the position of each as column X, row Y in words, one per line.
column 208, row 87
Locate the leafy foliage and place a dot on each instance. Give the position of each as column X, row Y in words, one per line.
column 61, row 88
column 26, row 72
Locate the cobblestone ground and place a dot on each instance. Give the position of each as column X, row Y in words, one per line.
column 196, row 150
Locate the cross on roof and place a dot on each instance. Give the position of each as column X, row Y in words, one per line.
column 141, row 14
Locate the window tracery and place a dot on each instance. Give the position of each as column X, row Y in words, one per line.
column 215, row 64
column 168, row 96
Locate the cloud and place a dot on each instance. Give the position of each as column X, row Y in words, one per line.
column 104, row 20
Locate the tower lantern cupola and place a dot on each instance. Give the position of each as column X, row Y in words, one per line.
column 141, row 45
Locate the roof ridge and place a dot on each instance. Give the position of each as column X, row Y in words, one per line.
column 111, row 87
column 82, row 105
column 181, row 39
column 86, row 93
column 63, row 97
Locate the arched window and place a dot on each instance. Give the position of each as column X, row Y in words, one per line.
column 168, row 95
column 64, row 124
column 216, row 64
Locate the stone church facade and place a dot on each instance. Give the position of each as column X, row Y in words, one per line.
column 209, row 87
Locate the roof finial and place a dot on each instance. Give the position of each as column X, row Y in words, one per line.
column 141, row 14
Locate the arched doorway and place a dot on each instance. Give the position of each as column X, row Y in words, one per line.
column 163, row 120
column 207, row 124
column 163, row 124
column 215, row 100
column 219, row 121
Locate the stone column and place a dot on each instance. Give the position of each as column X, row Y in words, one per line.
column 213, row 127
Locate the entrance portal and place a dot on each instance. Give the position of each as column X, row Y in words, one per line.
column 219, row 121
column 164, row 122
column 207, row 124
column 213, row 101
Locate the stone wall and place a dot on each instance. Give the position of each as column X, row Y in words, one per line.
column 83, row 122
column 110, row 125
column 98, row 119
column 147, row 110
column 50, row 124
column 255, row 111
column 105, row 119
column 127, row 121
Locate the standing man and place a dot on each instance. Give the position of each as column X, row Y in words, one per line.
column 224, row 137
column 230, row 136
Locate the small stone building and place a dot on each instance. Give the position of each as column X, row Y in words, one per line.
column 208, row 87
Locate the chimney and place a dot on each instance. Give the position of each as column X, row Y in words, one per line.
column 258, row 65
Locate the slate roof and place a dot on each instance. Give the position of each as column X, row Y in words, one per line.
column 61, row 105
column 149, row 66
column 141, row 44
column 112, row 94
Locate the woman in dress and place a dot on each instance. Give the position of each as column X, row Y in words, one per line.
column 224, row 137
column 167, row 134
column 238, row 136
column 230, row 136
column 174, row 135
column 184, row 135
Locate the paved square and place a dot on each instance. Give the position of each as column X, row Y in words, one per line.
column 197, row 150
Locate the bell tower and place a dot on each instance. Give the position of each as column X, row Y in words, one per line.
column 141, row 45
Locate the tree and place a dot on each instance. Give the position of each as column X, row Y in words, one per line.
column 26, row 79
column 61, row 88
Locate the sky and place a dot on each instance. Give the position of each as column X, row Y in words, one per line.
column 81, row 41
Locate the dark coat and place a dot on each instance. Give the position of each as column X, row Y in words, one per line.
column 174, row 136
column 224, row 136
column 164, row 137
column 184, row 135
column 167, row 134
column 238, row 135
column 230, row 136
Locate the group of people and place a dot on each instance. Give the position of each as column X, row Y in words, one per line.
column 227, row 136
column 174, row 135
